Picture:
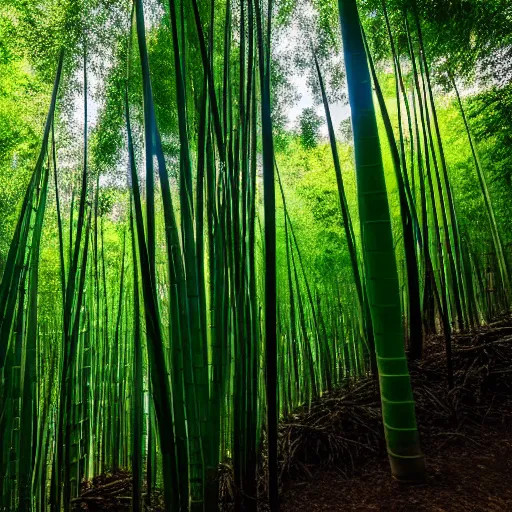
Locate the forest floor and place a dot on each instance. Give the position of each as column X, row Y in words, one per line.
column 464, row 474
column 335, row 455
column 332, row 453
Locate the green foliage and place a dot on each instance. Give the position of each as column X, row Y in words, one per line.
column 19, row 137
column 489, row 114
column 309, row 125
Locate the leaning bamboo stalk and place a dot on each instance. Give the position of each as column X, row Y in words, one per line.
column 160, row 382
column 28, row 375
column 17, row 244
column 364, row 310
column 409, row 222
column 498, row 246
column 382, row 281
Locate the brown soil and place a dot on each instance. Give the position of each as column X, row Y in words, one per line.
column 333, row 454
column 464, row 474
column 113, row 491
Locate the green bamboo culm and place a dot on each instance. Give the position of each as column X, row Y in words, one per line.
column 496, row 237
column 138, row 394
column 348, row 227
column 263, row 42
column 159, row 380
column 398, row 411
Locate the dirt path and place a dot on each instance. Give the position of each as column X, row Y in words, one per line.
column 464, row 474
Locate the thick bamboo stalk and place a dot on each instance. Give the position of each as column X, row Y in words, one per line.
column 382, row 280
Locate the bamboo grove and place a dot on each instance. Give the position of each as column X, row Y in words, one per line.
column 183, row 317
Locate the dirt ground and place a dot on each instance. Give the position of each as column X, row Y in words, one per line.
column 332, row 452
column 466, row 436
column 464, row 474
